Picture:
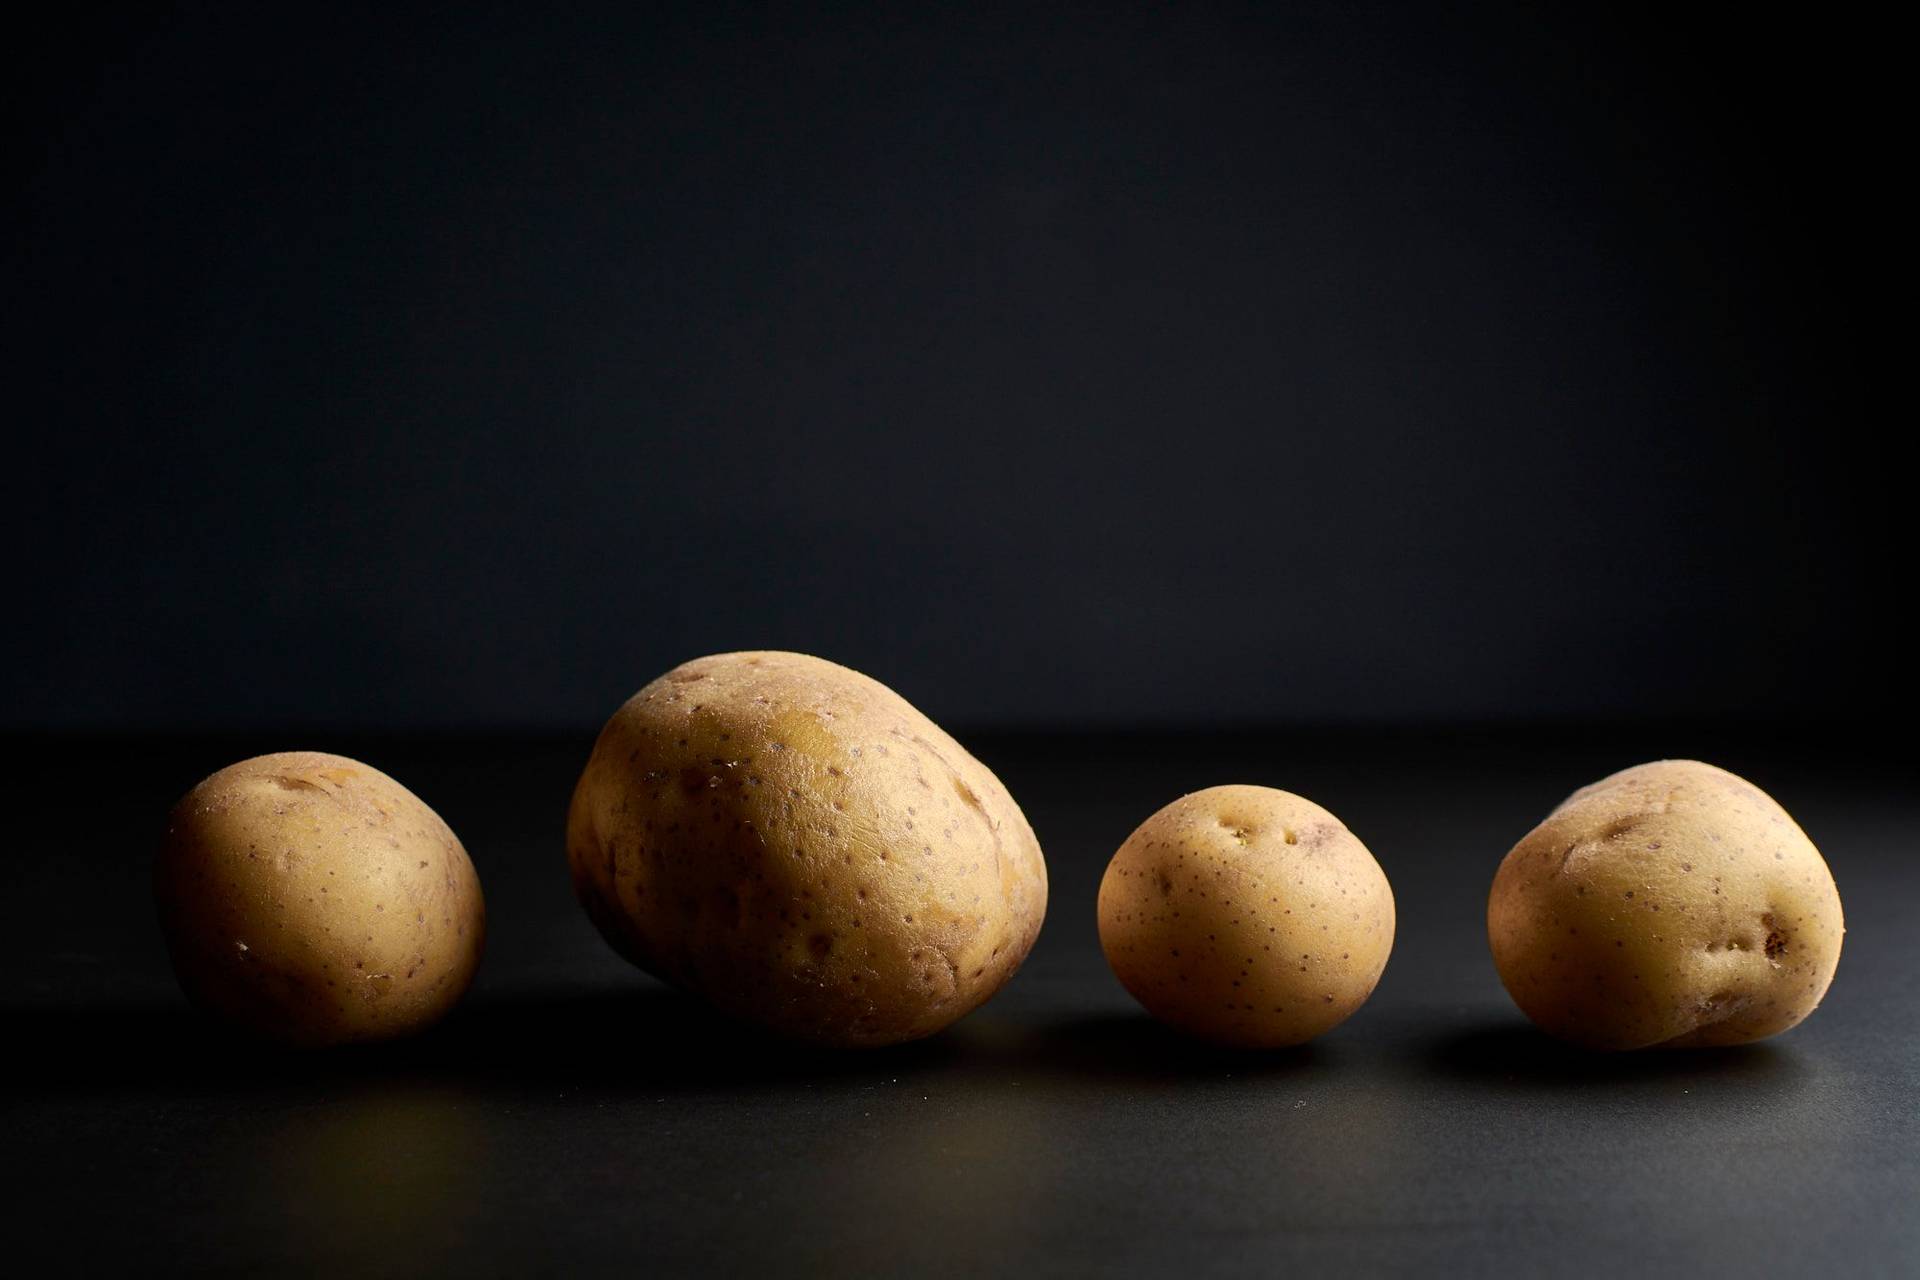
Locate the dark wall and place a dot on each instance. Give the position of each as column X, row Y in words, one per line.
column 1171, row 364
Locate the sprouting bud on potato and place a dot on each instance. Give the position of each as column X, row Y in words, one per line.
column 1672, row 904
column 313, row 900
column 1247, row 916
column 797, row 844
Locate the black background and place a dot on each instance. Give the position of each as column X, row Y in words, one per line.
column 1428, row 409
column 438, row 366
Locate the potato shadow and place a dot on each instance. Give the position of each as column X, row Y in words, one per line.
column 651, row 1038
column 634, row 1039
column 1509, row 1054
column 1134, row 1049
column 619, row 1041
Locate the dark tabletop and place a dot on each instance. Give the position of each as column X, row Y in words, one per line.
column 576, row 1117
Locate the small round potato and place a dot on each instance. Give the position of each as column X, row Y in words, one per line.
column 1670, row 905
column 797, row 844
column 314, row 900
column 1247, row 916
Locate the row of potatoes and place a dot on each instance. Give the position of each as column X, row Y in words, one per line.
column 795, row 843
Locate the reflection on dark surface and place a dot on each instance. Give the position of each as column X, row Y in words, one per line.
column 380, row 1170
column 637, row 1125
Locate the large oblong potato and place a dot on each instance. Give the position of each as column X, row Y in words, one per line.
column 313, row 900
column 1248, row 916
column 1669, row 905
column 797, row 844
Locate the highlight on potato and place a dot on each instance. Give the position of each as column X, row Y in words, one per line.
column 795, row 843
column 312, row 900
column 1670, row 905
column 1247, row 916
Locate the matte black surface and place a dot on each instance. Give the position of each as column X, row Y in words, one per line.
column 575, row 1118
column 410, row 365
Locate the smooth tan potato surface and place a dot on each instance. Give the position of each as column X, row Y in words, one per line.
column 314, row 900
column 1246, row 915
column 1672, row 904
column 793, row 841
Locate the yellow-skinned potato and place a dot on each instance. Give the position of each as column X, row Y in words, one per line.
column 1247, row 916
column 1669, row 905
column 797, row 844
column 313, row 900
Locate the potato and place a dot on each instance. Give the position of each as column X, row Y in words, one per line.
column 1247, row 916
column 1672, row 904
column 795, row 843
column 314, row 900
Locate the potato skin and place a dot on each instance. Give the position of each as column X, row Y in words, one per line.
column 1670, row 905
column 313, row 900
column 1247, row 916
column 797, row 844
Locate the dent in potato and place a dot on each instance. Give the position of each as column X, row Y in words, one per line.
column 796, row 843
column 1669, row 905
column 312, row 899
column 1248, row 916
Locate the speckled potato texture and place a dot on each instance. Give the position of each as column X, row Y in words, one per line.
column 1247, row 916
column 794, row 842
column 314, row 900
column 1670, row 905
